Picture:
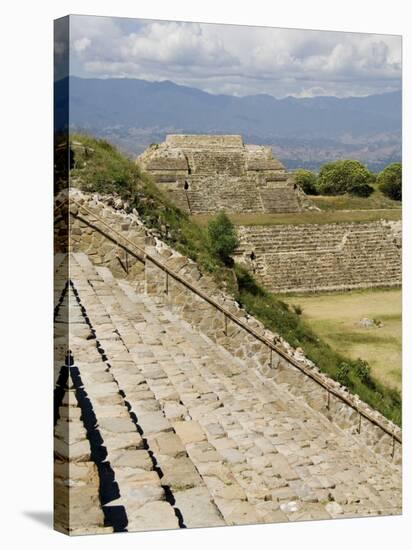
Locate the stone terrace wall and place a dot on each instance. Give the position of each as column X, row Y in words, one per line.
column 210, row 321
column 207, row 173
column 187, row 141
column 102, row 251
column 309, row 257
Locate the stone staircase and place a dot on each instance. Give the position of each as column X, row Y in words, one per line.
column 226, row 162
column 322, row 257
column 157, row 427
column 280, row 200
column 223, row 192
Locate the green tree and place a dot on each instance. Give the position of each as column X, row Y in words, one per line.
column 390, row 181
column 222, row 237
column 345, row 176
column 306, row 180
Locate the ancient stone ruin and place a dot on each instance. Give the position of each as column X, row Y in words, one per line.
column 207, row 173
column 178, row 416
column 323, row 257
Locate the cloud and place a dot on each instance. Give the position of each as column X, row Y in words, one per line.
column 236, row 60
column 81, row 44
column 181, row 44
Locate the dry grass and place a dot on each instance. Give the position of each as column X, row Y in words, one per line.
column 335, row 318
column 376, row 201
column 325, row 216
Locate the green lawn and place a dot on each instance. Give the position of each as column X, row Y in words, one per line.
column 335, row 318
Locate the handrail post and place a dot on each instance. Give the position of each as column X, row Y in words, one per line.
column 360, row 421
column 225, row 329
column 271, row 357
column 328, row 402
column 126, row 261
column 166, row 283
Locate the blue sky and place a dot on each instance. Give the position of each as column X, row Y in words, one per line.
column 236, row 60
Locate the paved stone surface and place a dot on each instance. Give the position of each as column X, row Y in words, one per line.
column 187, row 435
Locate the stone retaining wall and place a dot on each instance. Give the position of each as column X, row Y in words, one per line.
column 192, row 308
column 312, row 257
column 103, row 252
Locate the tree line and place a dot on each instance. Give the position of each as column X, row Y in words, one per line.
column 351, row 176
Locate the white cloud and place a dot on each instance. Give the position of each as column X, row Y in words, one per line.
column 81, row 44
column 177, row 43
column 237, row 60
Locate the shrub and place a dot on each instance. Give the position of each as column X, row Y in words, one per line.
column 222, row 237
column 345, row 176
column 297, row 309
column 390, row 181
column 306, row 180
column 363, row 372
column 342, row 374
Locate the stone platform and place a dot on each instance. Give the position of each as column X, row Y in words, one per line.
column 208, row 173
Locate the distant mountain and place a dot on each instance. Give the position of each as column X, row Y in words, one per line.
column 134, row 113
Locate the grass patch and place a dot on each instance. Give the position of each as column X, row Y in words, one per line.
column 368, row 337
column 98, row 167
column 335, row 318
column 323, row 217
column 376, row 201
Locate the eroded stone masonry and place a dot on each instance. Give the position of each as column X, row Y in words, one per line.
column 312, row 257
column 203, row 173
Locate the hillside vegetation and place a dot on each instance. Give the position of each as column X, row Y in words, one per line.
column 98, row 167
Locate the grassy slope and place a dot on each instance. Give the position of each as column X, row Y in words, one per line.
column 97, row 166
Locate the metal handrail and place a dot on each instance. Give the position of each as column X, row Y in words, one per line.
column 228, row 315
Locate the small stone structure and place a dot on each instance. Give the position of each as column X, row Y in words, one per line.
column 207, row 173
column 314, row 257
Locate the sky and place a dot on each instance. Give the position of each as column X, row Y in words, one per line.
column 236, row 60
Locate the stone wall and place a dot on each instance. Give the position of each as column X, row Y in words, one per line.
column 309, row 257
column 207, row 173
column 85, row 236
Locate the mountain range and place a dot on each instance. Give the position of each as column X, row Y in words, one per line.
column 301, row 131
